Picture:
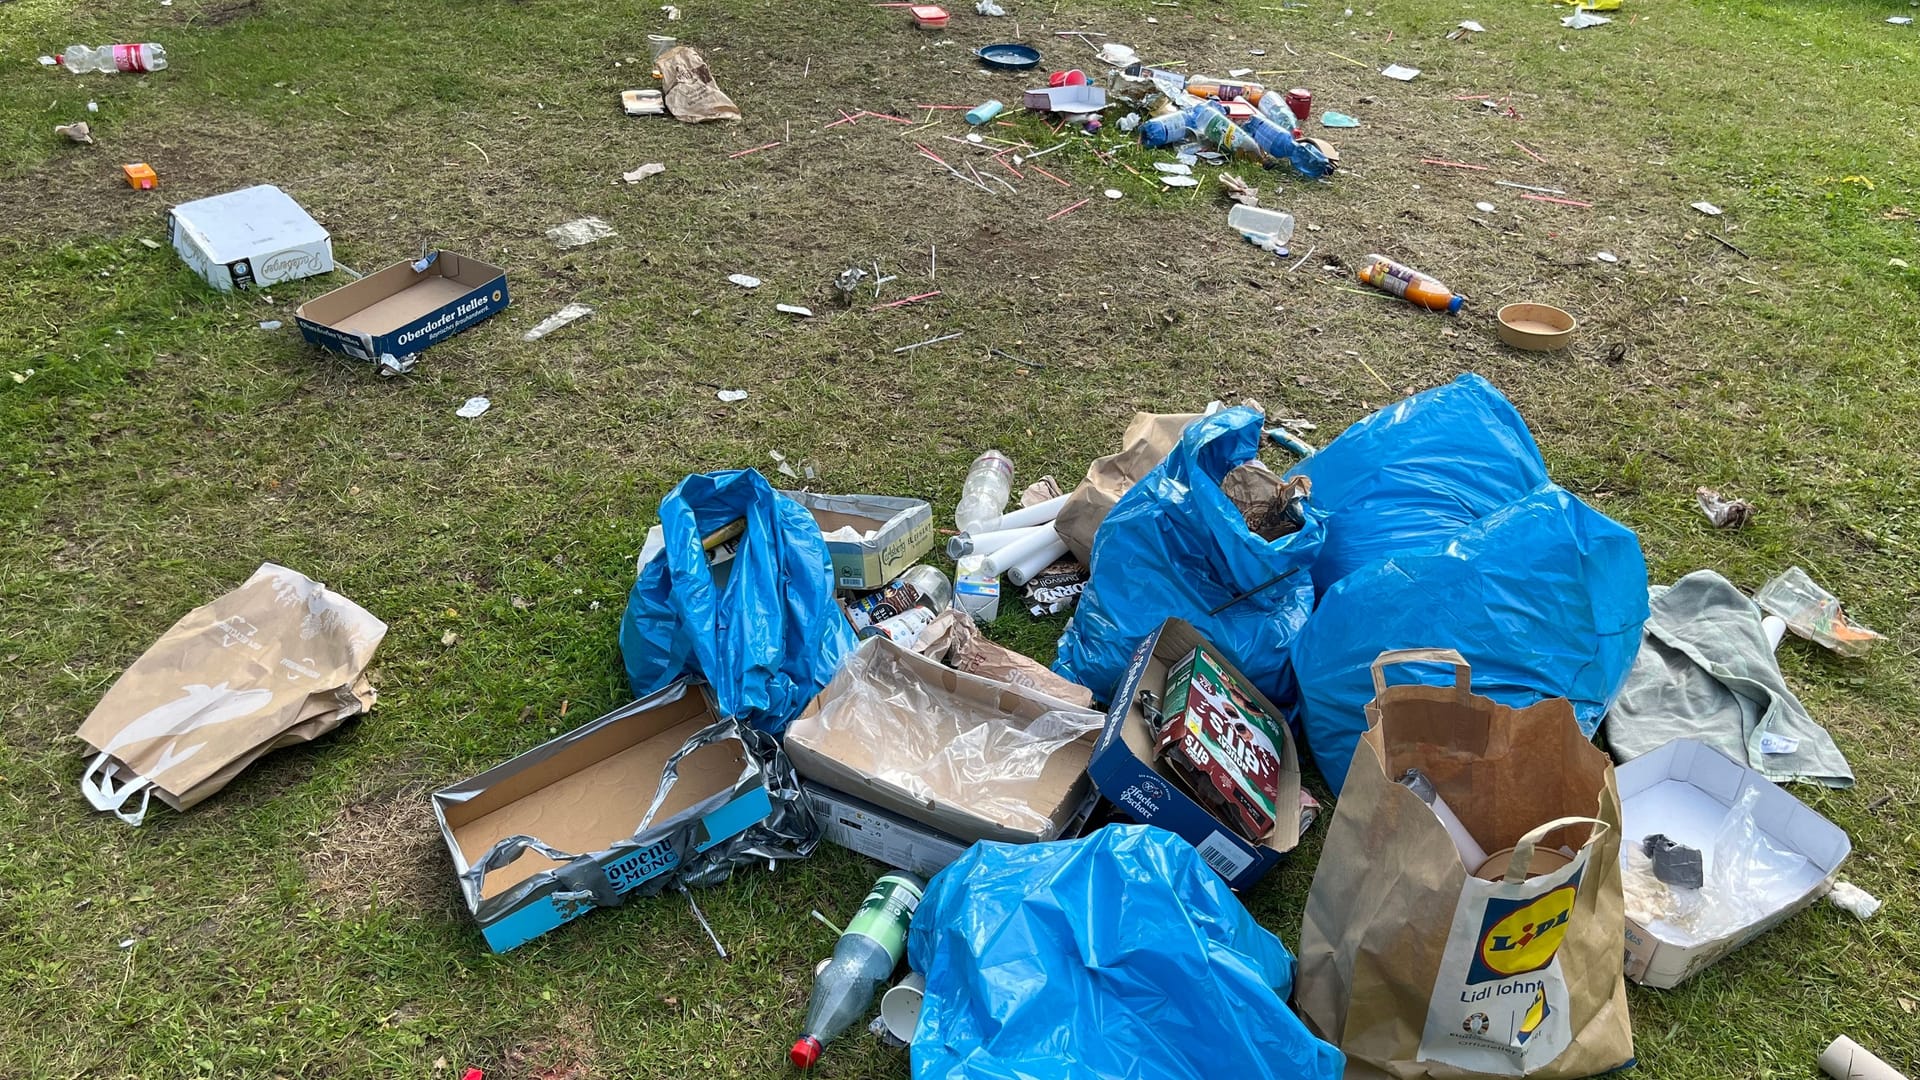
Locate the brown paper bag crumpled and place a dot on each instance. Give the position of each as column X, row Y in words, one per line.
column 1147, row 442
column 692, row 95
column 1415, row 966
column 952, row 639
column 278, row 661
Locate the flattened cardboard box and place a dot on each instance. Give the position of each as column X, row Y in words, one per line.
column 903, row 531
column 833, row 758
column 1684, row 790
column 399, row 311
column 1126, row 771
column 583, row 795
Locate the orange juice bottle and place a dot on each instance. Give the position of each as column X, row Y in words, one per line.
column 1409, row 284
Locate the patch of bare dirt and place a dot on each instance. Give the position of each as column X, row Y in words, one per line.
column 387, row 847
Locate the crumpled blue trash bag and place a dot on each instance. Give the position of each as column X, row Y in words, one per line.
column 1176, row 546
column 1119, row 955
column 767, row 639
column 1411, row 475
column 1443, row 532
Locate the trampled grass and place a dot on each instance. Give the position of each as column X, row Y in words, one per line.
column 305, row 922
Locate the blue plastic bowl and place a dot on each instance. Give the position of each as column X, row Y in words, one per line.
column 1009, row 57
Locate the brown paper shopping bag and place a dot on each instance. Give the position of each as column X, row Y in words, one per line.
column 280, row 660
column 1414, row 966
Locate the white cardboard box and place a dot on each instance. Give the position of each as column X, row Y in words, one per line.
column 249, row 238
column 1684, row 789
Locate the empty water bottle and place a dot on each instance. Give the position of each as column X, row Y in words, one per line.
column 107, row 59
column 984, row 496
column 1164, row 130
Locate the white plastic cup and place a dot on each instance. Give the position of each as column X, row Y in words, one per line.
column 1776, row 629
column 900, row 1006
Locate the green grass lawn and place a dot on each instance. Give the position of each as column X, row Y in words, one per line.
column 155, row 445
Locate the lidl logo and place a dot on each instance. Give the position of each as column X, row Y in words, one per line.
column 1518, row 936
column 1536, row 1015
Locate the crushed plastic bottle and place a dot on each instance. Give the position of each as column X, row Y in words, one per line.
column 984, row 495
column 863, row 961
column 107, row 59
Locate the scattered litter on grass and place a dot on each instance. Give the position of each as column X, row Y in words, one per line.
column 846, row 281
column 1179, row 181
column 990, row 9
column 745, row 281
column 731, row 396
column 1118, row 55
column 643, row 103
column 1529, row 187
column 568, row 314
column 908, row 300
column 1707, row 208
column 21, row 376
column 474, row 407
column 651, row 168
column 271, row 324
column 1173, row 167
column 1900, row 20
column 1725, row 513
column 1337, row 120
column 1400, row 72
column 673, row 13
column 1607, row 257
column 1114, row 193
column 691, row 93
column 1485, row 207
column 1467, row 27
column 1235, row 73
column 1814, row 613
column 150, row 245
column 794, row 309
column 79, row 131
column 126, row 943
column 1854, row 900
column 580, row 232
column 1582, row 19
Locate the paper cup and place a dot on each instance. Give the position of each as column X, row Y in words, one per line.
column 900, row 1006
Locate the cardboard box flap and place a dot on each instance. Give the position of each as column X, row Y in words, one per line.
column 972, row 757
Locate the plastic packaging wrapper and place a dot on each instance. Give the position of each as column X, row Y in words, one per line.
column 1746, row 872
column 955, row 641
column 1036, row 967
column 1178, row 545
column 1814, row 613
column 955, row 748
column 765, row 633
column 1442, row 531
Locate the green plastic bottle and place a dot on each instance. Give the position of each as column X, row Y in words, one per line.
column 863, row 961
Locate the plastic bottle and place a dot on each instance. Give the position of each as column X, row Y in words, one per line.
column 984, row 495
column 1409, row 284
column 1472, row 855
column 1165, row 129
column 1276, row 138
column 863, row 961
column 107, row 59
column 903, row 629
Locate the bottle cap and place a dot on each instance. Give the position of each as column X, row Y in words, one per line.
column 1453, row 305
column 805, row 1052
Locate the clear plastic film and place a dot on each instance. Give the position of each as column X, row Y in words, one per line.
column 947, row 747
column 1746, row 874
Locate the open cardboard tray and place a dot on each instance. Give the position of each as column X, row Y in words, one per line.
column 399, row 311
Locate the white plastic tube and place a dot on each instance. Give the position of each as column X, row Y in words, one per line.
column 1019, row 572
column 1012, row 555
column 1037, row 514
column 986, row 543
column 1776, row 629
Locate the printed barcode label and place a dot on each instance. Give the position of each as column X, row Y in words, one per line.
column 1224, row 856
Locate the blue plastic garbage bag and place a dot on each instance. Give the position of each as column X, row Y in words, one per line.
column 769, row 636
column 1411, row 475
column 1120, row 955
column 1176, row 546
column 1544, row 597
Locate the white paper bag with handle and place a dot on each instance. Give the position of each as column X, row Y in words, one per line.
column 278, row 661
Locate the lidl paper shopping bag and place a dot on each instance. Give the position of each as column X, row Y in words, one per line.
column 1418, row 965
column 278, row 661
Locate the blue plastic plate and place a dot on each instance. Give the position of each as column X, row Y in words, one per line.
column 1009, row 57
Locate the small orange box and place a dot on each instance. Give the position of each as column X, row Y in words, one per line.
column 140, row 175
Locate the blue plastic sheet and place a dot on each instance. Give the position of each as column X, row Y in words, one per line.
column 1444, row 532
column 1120, row 955
column 769, row 636
column 1176, row 546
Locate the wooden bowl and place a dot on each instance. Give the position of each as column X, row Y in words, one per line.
column 1536, row 327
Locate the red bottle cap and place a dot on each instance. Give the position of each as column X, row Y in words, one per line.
column 805, row 1052
column 473, row 1074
